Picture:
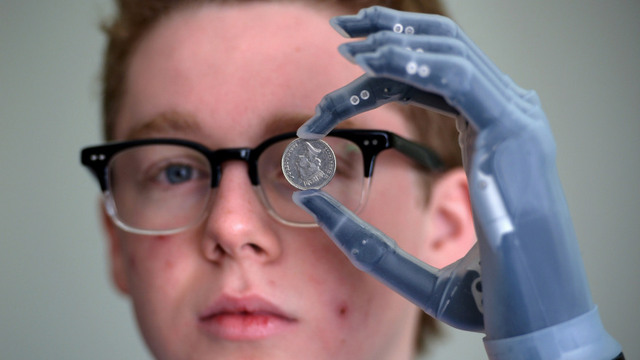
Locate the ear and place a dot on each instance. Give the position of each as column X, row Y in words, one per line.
column 450, row 231
column 116, row 255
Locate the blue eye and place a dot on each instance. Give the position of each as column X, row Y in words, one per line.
column 176, row 174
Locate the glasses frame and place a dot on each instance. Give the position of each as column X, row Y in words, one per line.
column 370, row 142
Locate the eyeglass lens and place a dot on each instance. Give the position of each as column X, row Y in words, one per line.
column 346, row 185
column 159, row 187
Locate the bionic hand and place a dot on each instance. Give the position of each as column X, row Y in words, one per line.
column 533, row 300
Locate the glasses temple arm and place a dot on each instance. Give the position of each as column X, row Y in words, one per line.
column 420, row 154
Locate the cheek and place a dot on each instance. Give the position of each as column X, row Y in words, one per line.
column 159, row 272
column 155, row 266
column 326, row 272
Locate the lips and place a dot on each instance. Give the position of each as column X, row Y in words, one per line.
column 247, row 318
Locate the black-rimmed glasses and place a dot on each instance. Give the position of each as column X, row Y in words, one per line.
column 163, row 186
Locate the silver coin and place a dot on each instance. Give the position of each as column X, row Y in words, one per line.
column 308, row 164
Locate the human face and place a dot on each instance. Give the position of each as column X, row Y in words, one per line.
column 242, row 285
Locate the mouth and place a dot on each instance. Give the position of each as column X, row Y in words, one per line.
column 242, row 319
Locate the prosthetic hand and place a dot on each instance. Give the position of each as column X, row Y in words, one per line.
column 523, row 283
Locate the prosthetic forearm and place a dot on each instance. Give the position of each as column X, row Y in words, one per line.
column 536, row 303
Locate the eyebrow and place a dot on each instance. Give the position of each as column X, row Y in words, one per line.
column 166, row 123
column 172, row 122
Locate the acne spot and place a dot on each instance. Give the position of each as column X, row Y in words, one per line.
column 161, row 238
column 343, row 310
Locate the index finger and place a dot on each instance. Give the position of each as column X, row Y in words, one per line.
column 364, row 94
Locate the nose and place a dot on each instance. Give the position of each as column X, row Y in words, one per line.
column 238, row 227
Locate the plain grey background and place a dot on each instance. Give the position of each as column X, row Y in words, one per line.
column 56, row 300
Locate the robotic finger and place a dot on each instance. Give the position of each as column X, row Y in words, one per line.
column 364, row 94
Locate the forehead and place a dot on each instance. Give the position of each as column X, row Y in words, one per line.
column 288, row 31
column 232, row 67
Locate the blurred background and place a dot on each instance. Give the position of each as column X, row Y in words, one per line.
column 56, row 300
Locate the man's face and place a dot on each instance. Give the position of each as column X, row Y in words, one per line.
column 242, row 285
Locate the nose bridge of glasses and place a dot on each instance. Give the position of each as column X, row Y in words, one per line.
column 224, row 155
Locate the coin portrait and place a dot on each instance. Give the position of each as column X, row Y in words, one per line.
column 308, row 164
